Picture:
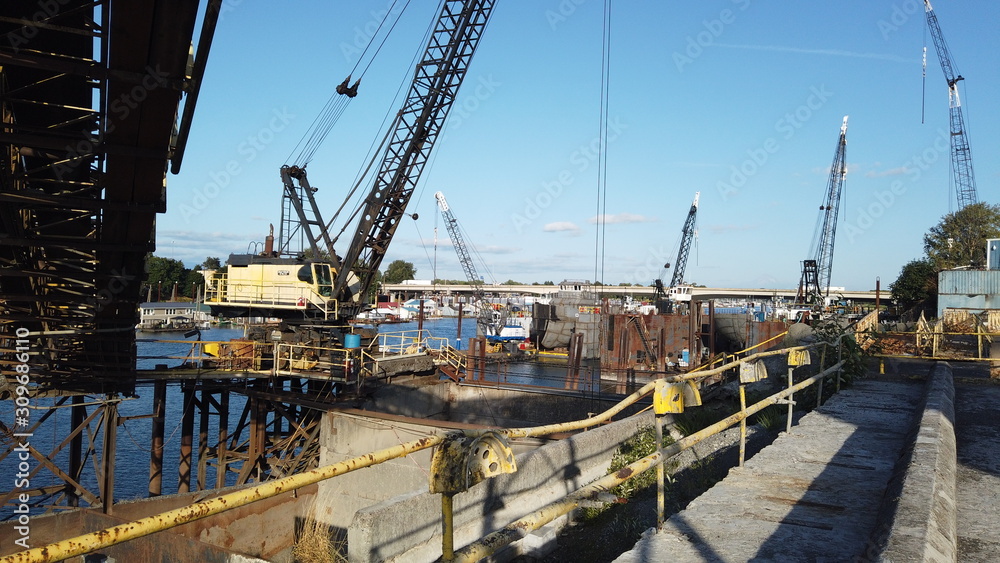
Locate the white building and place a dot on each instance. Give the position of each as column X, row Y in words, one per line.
column 173, row 315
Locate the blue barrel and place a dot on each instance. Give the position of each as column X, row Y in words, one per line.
column 352, row 341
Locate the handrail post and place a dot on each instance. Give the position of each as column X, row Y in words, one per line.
column 743, row 424
column 822, row 366
column 840, row 359
column 791, row 402
column 447, row 528
column 660, row 478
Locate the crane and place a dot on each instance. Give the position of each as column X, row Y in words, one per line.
column 433, row 90
column 816, row 272
column 961, row 155
column 489, row 321
column 331, row 287
column 687, row 237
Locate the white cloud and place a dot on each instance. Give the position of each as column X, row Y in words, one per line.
column 890, row 172
column 832, row 52
column 620, row 218
column 561, row 226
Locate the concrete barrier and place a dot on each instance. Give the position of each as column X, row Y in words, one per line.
column 408, row 527
column 924, row 522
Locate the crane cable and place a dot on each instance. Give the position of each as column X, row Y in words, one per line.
column 385, row 133
column 342, row 95
column 602, row 159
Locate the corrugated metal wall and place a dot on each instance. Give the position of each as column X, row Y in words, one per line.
column 968, row 289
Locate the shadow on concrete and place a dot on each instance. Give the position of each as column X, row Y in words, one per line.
column 841, row 512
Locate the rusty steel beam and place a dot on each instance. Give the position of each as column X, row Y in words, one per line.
column 156, row 449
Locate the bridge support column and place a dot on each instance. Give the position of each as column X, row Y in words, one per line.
column 156, row 450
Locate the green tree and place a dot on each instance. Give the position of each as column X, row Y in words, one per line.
column 162, row 273
column 377, row 279
column 192, row 281
column 398, row 271
column 211, row 263
column 959, row 240
column 917, row 282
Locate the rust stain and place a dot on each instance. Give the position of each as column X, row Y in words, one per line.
column 624, row 473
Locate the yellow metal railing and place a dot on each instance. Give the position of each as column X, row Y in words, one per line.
column 222, row 290
column 734, row 356
column 456, row 359
column 341, row 364
column 408, row 342
column 87, row 543
column 232, row 355
column 526, row 524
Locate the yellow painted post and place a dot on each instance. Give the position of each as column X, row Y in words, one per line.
column 743, row 425
column 791, row 396
column 447, row 528
column 840, row 360
column 822, row 366
column 660, row 478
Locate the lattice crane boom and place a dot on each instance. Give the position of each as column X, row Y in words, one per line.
column 687, row 237
column 485, row 318
column 828, row 233
column 961, row 155
column 432, row 92
column 817, row 272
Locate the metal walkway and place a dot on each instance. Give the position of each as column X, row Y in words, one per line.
column 813, row 495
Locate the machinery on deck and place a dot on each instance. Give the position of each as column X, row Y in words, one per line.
column 961, row 155
column 814, row 284
column 677, row 292
column 318, row 286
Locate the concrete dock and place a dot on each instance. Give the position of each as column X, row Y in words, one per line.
column 869, row 476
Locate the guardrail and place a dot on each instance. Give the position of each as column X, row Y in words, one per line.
column 406, row 342
column 223, row 290
column 464, row 452
column 231, row 355
column 342, row 364
column 934, row 343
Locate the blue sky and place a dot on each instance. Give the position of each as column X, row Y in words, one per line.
column 741, row 100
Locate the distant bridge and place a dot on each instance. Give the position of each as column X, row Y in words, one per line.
column 402, row 291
